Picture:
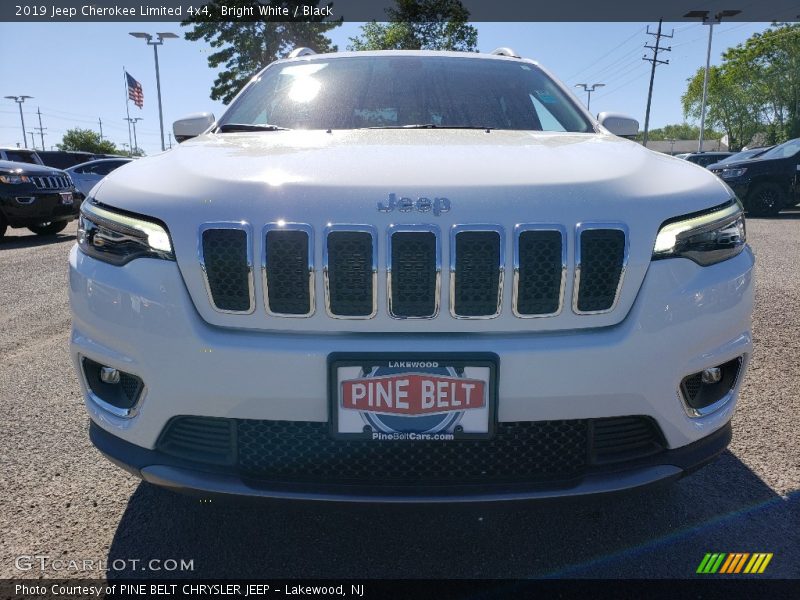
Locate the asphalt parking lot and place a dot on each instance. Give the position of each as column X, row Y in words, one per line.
column 62, row 500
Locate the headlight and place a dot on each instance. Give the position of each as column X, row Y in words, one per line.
column 14, row 179
column 119, row 238
column 732, row 173
column 706, row 238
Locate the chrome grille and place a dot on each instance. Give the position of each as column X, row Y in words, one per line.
column 288, row 270
column 56, row 182
column 413, row 269
column 226, row 260
column 413, row 272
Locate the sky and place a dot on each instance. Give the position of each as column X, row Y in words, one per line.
column 74, row 71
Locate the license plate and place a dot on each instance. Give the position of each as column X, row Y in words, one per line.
column 66, row 198
column 413, row 397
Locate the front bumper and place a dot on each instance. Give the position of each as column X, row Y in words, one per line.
column 139, row 318
column 38, row 208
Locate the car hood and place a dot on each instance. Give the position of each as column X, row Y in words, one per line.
column 263, row 166
column 28, row 169
column 501, row 177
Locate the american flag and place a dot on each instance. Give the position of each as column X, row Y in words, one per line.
column 135, row 92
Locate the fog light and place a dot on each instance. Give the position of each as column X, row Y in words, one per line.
column 709, row 390
column 116, row 391
column 712, row 375
column 111, row 375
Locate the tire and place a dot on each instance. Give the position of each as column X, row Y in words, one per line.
column 48, row 228
column 3, row 226
column 765, row 200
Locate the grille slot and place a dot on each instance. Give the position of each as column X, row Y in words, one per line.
column 620, row 439
column 200, row 439
column 228, row 269
column 57, row 182
column 304, row 451
column 540, row 271
column 288, row 273
column 602, row 253
column 350, row 271
column 476, row 273
column 413, row 274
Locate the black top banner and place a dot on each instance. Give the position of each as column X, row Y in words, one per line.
column 369, row 10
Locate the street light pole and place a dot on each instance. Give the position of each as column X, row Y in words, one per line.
column 19, row 100
column 589, row 91
column 159, row 41
column 703, row 14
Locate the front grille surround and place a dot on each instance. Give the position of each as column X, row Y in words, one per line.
column 519, row 230
column 413, row 228
column 326, row 274
column 282, row 226
column 576, row 292
column 229, row 226
column 454, row 233
column 52, row 182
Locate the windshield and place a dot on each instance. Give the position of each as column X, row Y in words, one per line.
column 743, row 155
column 403, row 91
column 784, row 150
column 21, row 156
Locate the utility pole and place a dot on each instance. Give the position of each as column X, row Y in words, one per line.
column 170, row 140
column 654, row 62
column 19, row 100
column 40, row 129
column 33, row 141
column 703, row 14
column 133, row 122
column 100, row 122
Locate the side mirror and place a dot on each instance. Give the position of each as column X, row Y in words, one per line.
column 618, row 124
column 192, row 125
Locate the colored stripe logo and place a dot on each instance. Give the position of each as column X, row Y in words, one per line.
column 734, row 562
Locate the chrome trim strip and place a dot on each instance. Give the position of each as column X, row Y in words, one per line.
column 283, row 226
column 454, row 231
column 325, row 277
column 696, row 413
column 248, row 230
column 123, row 413
column 520, row 228
column 424, row 228
column 579, row 229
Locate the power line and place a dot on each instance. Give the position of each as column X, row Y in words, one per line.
column 654, row 63
column 617, row 47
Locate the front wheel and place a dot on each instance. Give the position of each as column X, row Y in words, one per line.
column 48, row 228
column 765, row 200
column 3, row 226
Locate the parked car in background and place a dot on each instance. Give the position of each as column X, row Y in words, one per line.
column 88, row 174
column 705, row 158
column 768, row 183
column 22, row 155
column 37, row 197
column 743, row 155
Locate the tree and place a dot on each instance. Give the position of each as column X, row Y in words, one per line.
column 680, row 131
column 731, row 104
column 755, row 92
column 245, row 47
column 86, row 140
column 420, row 25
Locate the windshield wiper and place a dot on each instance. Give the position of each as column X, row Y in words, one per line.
column 229, row 127
column 429, row 126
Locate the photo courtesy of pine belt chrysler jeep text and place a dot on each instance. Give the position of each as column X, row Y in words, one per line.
column 410, row 276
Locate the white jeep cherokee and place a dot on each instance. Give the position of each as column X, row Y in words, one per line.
column 410, row 276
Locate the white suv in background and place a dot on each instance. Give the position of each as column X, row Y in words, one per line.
column 421, row 276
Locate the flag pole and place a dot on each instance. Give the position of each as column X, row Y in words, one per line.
column 127, row 110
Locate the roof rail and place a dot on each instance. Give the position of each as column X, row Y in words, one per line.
column 505, row 51
column 301, row 51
